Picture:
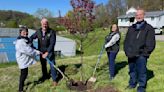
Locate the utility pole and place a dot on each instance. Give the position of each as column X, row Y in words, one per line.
column 162, row 4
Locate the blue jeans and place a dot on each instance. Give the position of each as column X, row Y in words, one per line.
column 53, row 70
column 111, row 59
column 137, row 72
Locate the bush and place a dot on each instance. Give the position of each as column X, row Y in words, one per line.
column 59, row 28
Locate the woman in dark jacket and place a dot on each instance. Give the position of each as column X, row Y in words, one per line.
column 112, row 48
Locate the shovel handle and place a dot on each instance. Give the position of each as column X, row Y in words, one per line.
column 48, row 60
column 101, row 52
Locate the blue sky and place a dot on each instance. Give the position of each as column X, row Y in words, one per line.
column 30, row 6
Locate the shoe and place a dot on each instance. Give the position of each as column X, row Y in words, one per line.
column 21, row 91
column 42, row 79
column 54, row 83
column 129, row 87
column 111, row 78
column 141, row 89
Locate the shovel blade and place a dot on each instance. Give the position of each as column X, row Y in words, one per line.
column 92, row 79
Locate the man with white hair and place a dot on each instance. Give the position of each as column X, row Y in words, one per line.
column 46, row 42
column 138, row 45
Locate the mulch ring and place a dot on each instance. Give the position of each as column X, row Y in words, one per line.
column 81, row 86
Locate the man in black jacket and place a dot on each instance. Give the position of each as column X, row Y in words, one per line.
column 46, row 42
column 138, row 45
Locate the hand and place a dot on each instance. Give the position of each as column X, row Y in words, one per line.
column 38, row 52
column 105, row 46
column 45, row 55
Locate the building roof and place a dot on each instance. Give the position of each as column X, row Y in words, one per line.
column 147, row 14
column 131, row 10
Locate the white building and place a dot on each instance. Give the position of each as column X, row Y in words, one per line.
column 154, row 18
column 65, row 46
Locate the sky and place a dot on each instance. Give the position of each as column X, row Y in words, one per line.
column 31, row 6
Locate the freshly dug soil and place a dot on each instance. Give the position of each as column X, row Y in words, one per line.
column 79, row 85
column 87, row 87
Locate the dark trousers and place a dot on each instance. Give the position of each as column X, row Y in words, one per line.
column 44, row 69
column 137, row 72
column 111, row 59
column 23, row 76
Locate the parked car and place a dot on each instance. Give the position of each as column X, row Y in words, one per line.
column 158, row 31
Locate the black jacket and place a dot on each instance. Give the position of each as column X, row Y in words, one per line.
column 139, row 42
column 45, row 43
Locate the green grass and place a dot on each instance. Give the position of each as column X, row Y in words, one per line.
column 94, row 41
column 10, row 75
column 3, row 65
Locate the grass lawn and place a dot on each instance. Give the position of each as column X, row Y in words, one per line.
column 9, row 76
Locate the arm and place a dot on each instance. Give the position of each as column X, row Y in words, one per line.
column 150, row 42
column 114, row 39
column 24, row 48
column 126, row 41
column 33, row 36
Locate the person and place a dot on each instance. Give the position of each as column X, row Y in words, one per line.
column 138, row 45
column 46, row 42
column 25, row 55
column 112, row 48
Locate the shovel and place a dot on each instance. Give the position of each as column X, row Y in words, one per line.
column 70, row 82
column 57, row 69
column 93, row 78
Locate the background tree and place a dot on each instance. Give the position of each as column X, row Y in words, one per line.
column 151, row 5
column 40, row 13
column 102, row 18
column 30, row 22
column 12, row 24
column 133, row 3
column 80, row 21
column 148, row 5
column 115, row 8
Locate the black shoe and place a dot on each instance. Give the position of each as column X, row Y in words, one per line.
column 42, row 79
column 21, row 91
column 141, row 89
column 129, row 87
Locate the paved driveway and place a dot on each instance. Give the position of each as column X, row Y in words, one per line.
column 159, row 37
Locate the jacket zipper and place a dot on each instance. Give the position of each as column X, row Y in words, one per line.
column 138, row 34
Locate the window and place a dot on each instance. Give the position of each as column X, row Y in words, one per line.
column 125, row 20
column 122, row 20
column 1, row 45
column 58, row 53
column 159, row 18
column 152, row 18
